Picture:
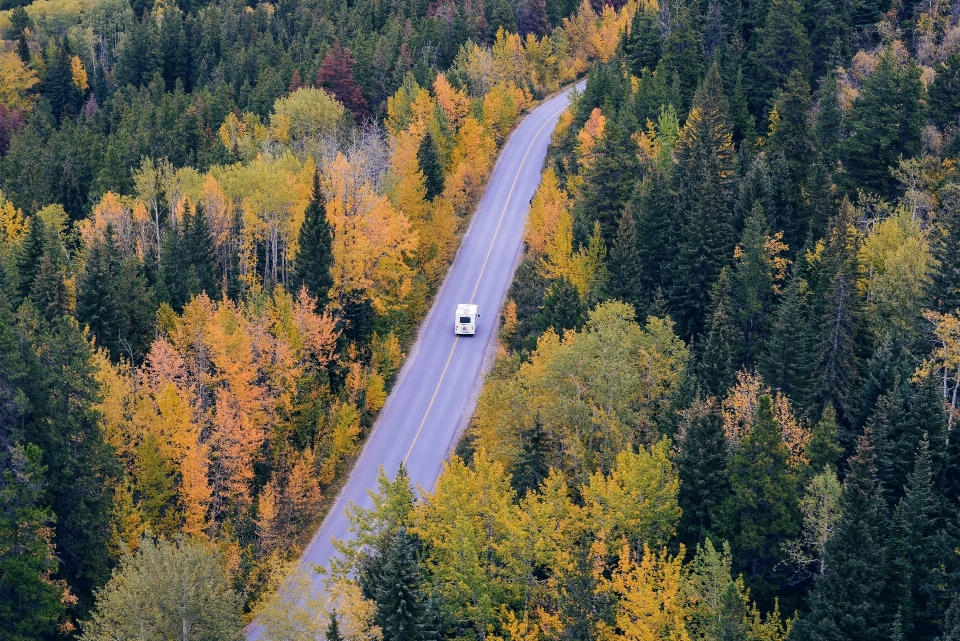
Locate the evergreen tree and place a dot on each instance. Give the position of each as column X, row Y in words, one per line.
column 336, row 75
column 644, row 43
column 58, row 86
column 652, row 204
column 830, row 35
column 683, row 57
column 396, row 586
column 824, row 449
column 532, row 18
column 913, row 560
column 333, row 629
column 563, row 307
column 315, row 255
column 23, row 49
column 828, row 126
column 835, row 373
column 608, row 183
column 702, row 467
column 624, row 262
column 531, row 466
column 946, row 279
column 743, row 122
column 429, row 162
column 30, row 256
column 31, row 605
column 792, row 139
column 703, row 183
column 199, row 251
column 719, row 352
column 885, row 123
column 49, row 291
column 785, row 363
column 760, row 512
column 944, row 96
column 98, row 305
column 782, row 48
column 753, row 282
column 850, row 601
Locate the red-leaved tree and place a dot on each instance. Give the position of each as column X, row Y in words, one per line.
column 336, row 76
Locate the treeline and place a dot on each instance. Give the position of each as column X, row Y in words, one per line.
column 726, row 399
column 194, row 348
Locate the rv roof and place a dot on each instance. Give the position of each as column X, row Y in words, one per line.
column 466, row 308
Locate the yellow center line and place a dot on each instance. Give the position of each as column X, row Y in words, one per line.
column 479, row 278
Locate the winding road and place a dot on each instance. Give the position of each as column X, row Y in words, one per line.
column 437, row 388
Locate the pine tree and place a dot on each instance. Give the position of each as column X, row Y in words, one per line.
column 719, row 352
column 333, row 629
column 23, row 49
column 913, row 560
column 644, row 43
column 851, row 602
column 782, row 48
column 683, row 57
column 624, row 262
column 946, row 279
column 835, row 374
column 828, row 126
column 532, row 18
column 824, row 449
column 402, row 609
column 31, row 603
column 830, row 36
column 944, row 96
column 703, row 183
column 98, row 305
column 200, row 251
column 30, row 256
column 315, row 255
column 58, row 86
column 336, row 75
column 563, row 307
column 608, row 183
column 785, row 363
column 531, row 466
column 760, row 512
column 430, row 166
column 702, row 467
column 652, row 205
column 48, row 292
column 753, row 280
column 885, row 123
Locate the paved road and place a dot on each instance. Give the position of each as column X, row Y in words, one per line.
column 436, row 387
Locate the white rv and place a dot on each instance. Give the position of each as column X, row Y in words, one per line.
column 466, row 319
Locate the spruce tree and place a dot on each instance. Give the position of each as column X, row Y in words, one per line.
column 753, row 282
column 531, row 466
column 49, row 291
column 563, row 307
column 644, row 43
column 532, row 18
column 702, row 180
column 429, row 162
column 944, row 93
column 652, row 204
column 623, row 263
column 785, row 363
column 946, row 279
column 608, row 183
column 702, row 466
column 760, row 511
column 885, row 123
column 850, row 601
column 315, row 255
column 30, row 256
column 683, row 56
column 824, row 449
column 333, row 629
column 719, row 352
column 98, row 304
column 402, row 609
column 828, row 126
column 200, row 251
column 782, row 48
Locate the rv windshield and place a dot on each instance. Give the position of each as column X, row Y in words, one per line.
column 465, row 320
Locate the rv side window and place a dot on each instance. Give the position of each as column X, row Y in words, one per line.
column 465, row 320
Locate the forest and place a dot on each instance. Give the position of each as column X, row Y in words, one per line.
column 729, row 363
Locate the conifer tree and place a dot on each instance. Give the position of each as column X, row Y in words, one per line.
column 719, row 352
column 703, row 183
column 850, row 601
column 702, row 467
column 608, row 183
column 828, row 126
column 885, row 123
column 336, row 76
column 944, row 96
column 782, row 47
column 760, row 511
column 785, row 363
column 403, row 611
column 683, row 57
column 563, row 307
column 429, row 162
column 315, row 255
column 200, row 251
column 624, row 262
column 30, row 256
column 531, row 466
column 644, row 43
column 23, row 49
column 830, row 36
column 946, row 279
column 753, row 280
column 532, row 18
column 652, row 204
column 824, row 449
column 49, row 291
column 333, row 629
column 98, row 306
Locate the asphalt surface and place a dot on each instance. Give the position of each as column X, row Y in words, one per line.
column 436, row 390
